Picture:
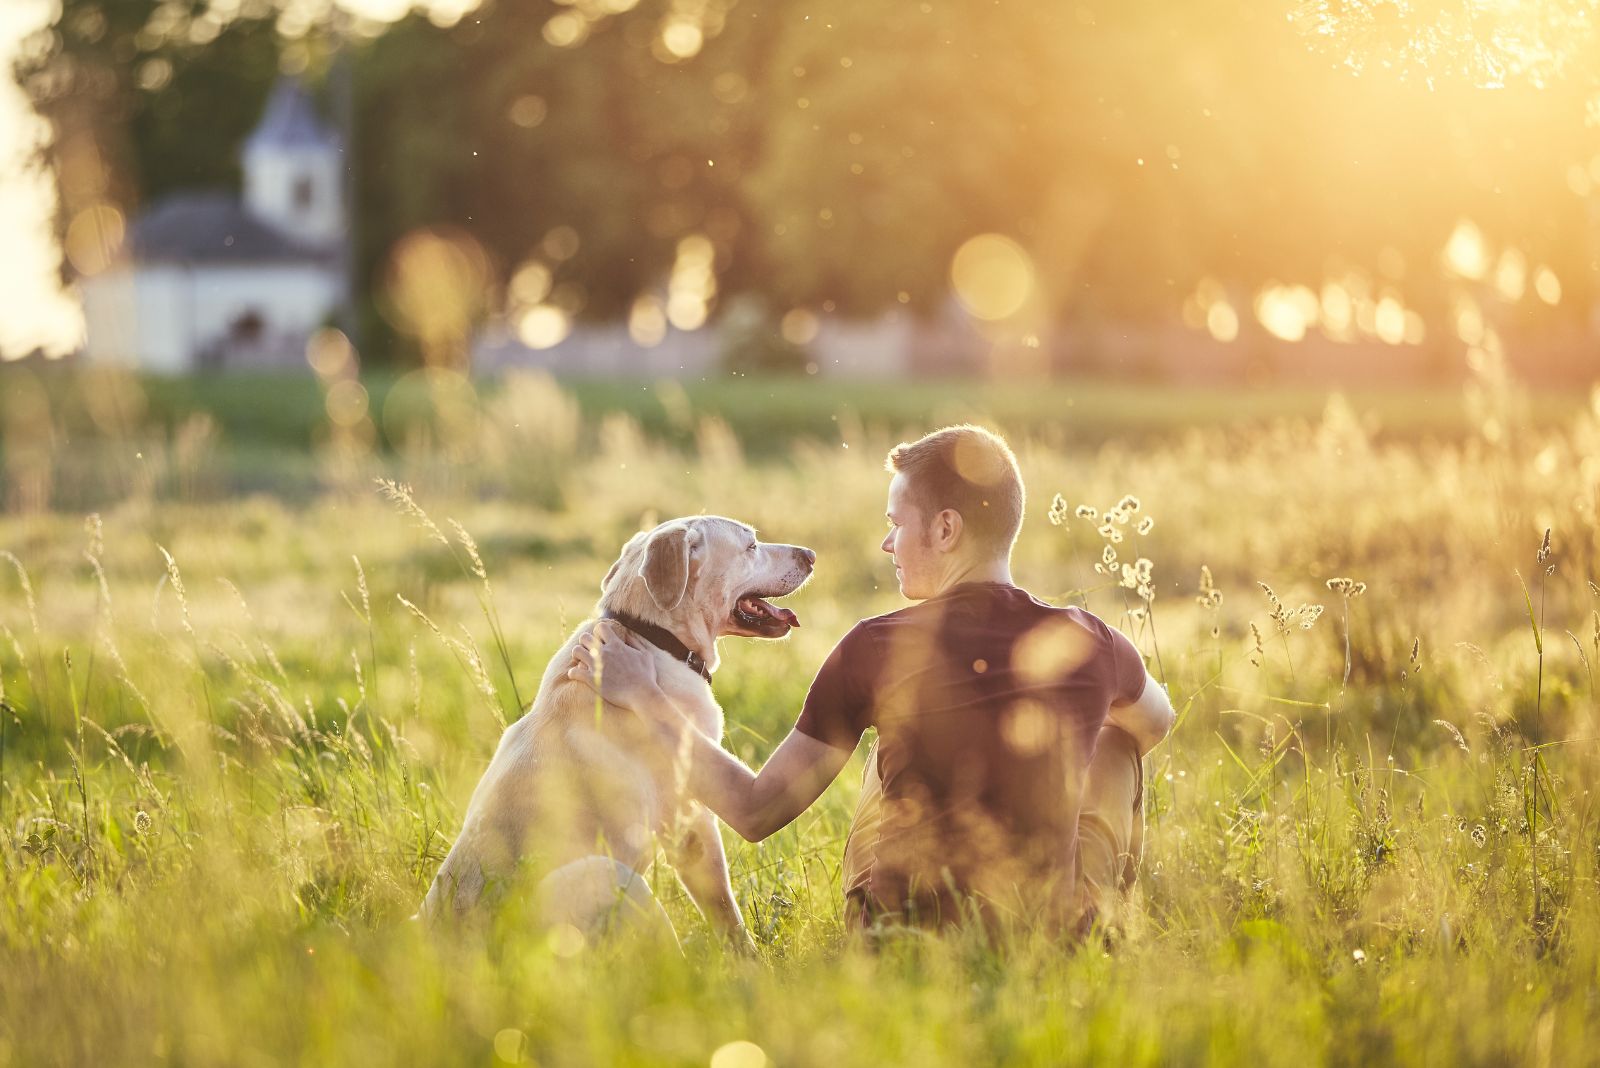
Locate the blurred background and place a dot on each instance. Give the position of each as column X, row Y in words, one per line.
column 1340, row 191
column 339, row 220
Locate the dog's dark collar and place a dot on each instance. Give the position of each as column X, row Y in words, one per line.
column 663, row 639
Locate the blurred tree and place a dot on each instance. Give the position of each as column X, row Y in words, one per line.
column 146, row 96
column 836, row 153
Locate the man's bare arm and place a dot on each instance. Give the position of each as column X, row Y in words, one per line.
column 1149, row 718
column 754, row 805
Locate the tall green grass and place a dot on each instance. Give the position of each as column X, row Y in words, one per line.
column 238, row 735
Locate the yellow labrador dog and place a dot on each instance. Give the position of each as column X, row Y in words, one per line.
column 579, row 790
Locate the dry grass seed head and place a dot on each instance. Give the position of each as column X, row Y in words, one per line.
column 399, row 494
column 27, row 590
column 361, row 587
column 175, row 579
column 96, row 532
column 472, row 549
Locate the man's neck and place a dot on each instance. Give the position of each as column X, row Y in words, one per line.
column 964, row 572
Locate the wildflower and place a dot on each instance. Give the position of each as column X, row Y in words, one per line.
column 1108, row 556
column 1309, row 614
column 1257, row 652
column 1085, row 512
column 1130, row 578
column 142, row 822
column 1130, row 503
column 1544, row 549
column 1209, row 596
column 1359, row 956
column 1272, row 598
column 1058, row 510
column 1146, row 525
column 1144, row 567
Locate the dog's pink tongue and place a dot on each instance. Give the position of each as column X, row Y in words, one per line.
column 787, row 616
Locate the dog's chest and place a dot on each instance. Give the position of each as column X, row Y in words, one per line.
column 689, row 692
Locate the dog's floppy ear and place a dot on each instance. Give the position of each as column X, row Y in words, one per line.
column 666, row 566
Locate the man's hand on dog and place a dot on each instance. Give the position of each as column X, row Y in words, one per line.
column 619, row 667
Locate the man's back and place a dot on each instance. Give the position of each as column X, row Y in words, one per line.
column 987, row 704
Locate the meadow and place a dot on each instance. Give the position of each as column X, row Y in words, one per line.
column 240, row 727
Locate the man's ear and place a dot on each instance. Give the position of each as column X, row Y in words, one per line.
column 666, row 566
column 947, row 528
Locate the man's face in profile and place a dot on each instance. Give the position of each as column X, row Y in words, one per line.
column 916, row 561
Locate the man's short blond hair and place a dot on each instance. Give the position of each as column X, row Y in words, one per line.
column 968, row 469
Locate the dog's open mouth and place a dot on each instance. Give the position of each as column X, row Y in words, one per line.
column 754, row 614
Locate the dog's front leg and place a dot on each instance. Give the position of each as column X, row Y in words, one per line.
column 702, row 865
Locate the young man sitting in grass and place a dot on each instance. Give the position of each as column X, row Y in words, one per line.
column 1006, row 780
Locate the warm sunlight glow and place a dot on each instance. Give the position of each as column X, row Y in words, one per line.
column 94, row 238
column 1465, row 253
column 992, row 276
column 1222, row 321
column 647, row 321
column 693, row 283
column 543, row 326
column 1287, row 312
column 1547, row 285
column 800, row 326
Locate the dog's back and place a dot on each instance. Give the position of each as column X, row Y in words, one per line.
column 572, row 778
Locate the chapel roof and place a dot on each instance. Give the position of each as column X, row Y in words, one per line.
column 290, row 121
column 209, row 227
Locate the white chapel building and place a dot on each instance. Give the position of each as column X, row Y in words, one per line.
column 206, row 280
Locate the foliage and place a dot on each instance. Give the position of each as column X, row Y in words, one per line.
column 837, row 156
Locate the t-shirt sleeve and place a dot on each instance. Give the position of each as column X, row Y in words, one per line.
column 838, row 708
column 1129, row 672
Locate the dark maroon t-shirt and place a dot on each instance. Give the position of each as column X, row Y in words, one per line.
column 987, row 703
